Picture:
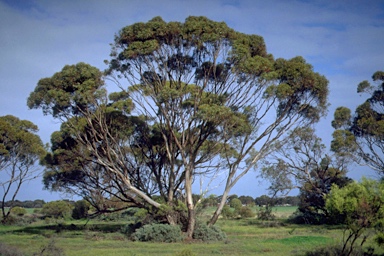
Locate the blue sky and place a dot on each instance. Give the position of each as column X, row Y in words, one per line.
column 343, row 40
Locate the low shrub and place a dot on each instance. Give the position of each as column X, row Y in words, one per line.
column 204, row 233
column 131, row 228
column 19, row 211
column 158, row 233
column 57, row 209
column 227, row 212
column 246, row 212
column 20, row 220
column 265, row 213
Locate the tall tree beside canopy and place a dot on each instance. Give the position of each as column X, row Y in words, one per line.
column 215, row 93
column 20, row 150
column 362, row 135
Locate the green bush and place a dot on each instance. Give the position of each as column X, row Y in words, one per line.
column 19, row 211
column 227, row 212
column 57, row 209
column 80, row 210
column 235, row 203
column 158, row 233
column 131, row 228
column 246, row 212
column 204, row 233
column 265, row 213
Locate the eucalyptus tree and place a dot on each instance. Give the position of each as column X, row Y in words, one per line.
column 20, row 151
column 221, row 101
column 362, row 135
column 101, row 151
column 213, row 99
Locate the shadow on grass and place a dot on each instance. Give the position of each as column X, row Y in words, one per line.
column 57, row 228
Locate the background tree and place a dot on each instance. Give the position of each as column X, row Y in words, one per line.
column 303, row 163
column 20, row 150
column 263, row 200
column 247, row 200
column 210, row 201
column 361, row 135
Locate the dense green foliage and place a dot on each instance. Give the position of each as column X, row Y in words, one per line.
column 235, row 203
column 80, row 209
column 360, row 206
column 227, row 212
column 57, row 209
column 246, row 212
column 158, row 233
column 205, row 233
column 18, row 211
column 361, row 135
column 312, row 196
column 20, row 149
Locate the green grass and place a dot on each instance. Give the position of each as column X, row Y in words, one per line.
column 31, row 210
column 244, row 237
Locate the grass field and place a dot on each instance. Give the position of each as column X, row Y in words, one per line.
column 244, row 237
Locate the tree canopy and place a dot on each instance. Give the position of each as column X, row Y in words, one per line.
column 197, row 98
column 20, row 149
column 361, row 135
column 360, row 207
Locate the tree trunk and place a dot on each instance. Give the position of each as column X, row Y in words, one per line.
column 219, row 208
column 172, row 218
column 190, row 204
column 191, row 222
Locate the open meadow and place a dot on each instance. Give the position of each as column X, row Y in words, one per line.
column 244, row 237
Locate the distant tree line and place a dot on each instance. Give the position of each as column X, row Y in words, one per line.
column 262, row 200
column 211, row 200
column 38, row 203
